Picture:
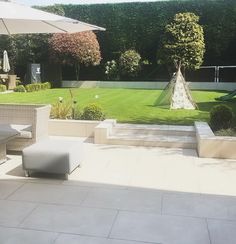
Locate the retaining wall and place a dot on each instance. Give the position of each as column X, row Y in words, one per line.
column 77, row 128
column 228, row 86
column 211, row 146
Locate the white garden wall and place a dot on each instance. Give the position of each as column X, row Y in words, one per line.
column 228, row 86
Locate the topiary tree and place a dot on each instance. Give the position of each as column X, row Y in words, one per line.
column 130, row 63
column 183, row 42
column 76, row 49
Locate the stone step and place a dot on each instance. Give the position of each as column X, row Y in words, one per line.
column 152, row 140
column 175, row 130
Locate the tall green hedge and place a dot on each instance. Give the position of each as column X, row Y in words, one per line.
column 140, row 26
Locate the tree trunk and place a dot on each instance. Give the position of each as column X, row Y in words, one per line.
column 77, row 70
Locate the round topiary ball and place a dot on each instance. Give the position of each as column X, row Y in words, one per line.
column 221, row 117
column 93, row 112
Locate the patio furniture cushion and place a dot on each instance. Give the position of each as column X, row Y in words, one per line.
column 53, row 156
column 25, row 131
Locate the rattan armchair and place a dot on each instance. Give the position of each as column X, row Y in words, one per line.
column 34, row 116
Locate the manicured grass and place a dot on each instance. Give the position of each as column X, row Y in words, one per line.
column 127, row 105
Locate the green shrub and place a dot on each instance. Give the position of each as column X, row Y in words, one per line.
column 29, row 88
column 93, row 112
column 61, row 110
column 37, row 86
column 221, row 117
column 19, row 88
column 3, row 88
column 130, row 63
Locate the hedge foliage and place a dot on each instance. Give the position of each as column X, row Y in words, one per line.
column 19, row 88
column 140, row 26
column 37, row 86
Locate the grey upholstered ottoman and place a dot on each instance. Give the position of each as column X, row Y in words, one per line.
column 52, row 156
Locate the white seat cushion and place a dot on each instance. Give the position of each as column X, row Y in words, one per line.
column 25, row 131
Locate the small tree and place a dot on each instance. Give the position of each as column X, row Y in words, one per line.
column 76, row 49
column 130, row 63
column 183, row 42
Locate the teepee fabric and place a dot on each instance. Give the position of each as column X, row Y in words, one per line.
column 177, row 94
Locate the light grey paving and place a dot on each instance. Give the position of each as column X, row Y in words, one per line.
column 76, row 239
column 57, row 194
column 232, row 210
column 160, row 228
column 20, row 236
column 13, row 213
column 205, row 206
column 222, row 232
column 71, row 219
column 137, row 169
column 8, row 187
column 124, row 199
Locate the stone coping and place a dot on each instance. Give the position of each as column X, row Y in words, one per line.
column 211, row 146
column 208, row 145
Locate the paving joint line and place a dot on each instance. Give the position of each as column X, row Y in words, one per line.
column 209, row 234
column 113, row 223
column 12, row 193
column 23, row 220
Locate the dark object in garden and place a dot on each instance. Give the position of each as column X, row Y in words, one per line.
column 227, row 97
column 221, row 117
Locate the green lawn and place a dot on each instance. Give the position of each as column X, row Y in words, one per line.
column 127, row 105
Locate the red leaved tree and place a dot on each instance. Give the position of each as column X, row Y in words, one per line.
column 75, row 49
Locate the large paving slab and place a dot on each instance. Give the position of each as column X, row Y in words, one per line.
column 125, row 199
column 71, row 219
column 222, row 232
column 160, row 228
column 13, row 213
column 8, row 187
column 20, row 236
column 41, row 193
column 198, row 205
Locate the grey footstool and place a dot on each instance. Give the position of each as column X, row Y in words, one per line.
column 52, row 156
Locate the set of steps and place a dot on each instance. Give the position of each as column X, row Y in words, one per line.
column 172, row 136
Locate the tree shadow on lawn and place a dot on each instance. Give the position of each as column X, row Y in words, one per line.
column 185, row 120
column 205, row 106
column 200, row 114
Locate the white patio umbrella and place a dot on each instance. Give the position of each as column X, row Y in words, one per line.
column 5, row 66
column 20, row 19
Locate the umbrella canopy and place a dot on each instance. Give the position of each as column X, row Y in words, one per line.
column 5, row 66
column 20, row 19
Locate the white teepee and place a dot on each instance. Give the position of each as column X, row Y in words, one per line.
column 176, row 94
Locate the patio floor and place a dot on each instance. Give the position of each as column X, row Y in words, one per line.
column 122, row 195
